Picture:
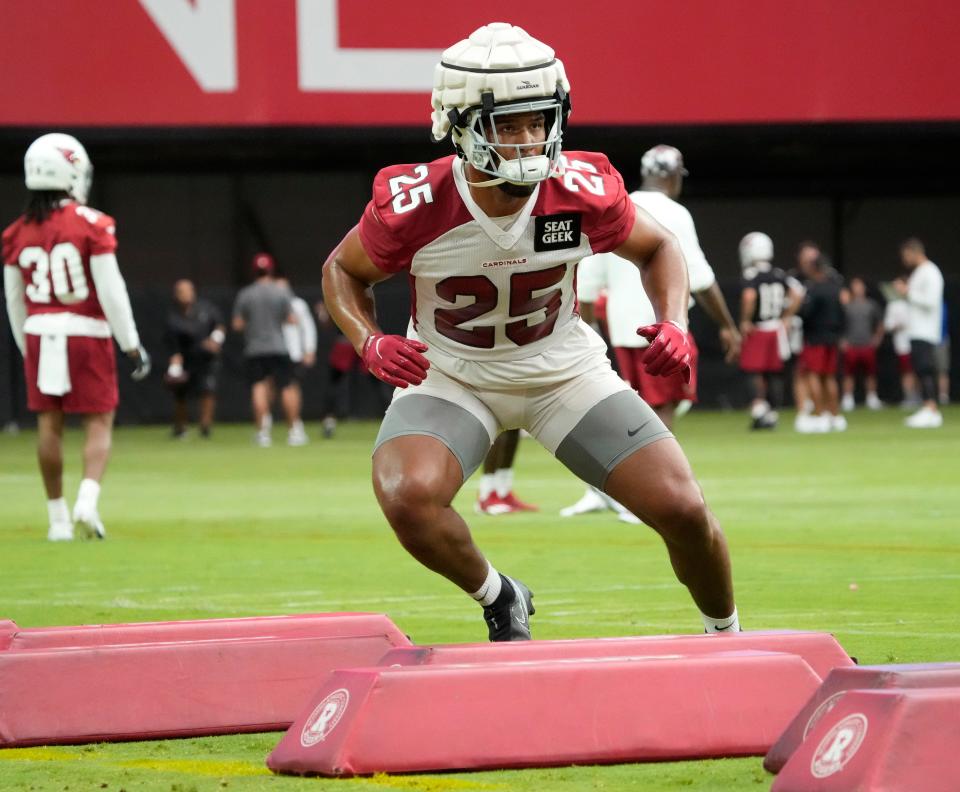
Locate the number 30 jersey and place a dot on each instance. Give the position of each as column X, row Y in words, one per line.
column 493, row 289
column 54, row 259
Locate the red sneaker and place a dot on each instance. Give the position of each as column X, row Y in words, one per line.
column 516, row 505
column 493, row 504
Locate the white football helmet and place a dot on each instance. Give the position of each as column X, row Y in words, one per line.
column 500, row 69
column 662, row 161
column 756, row 247
column 56, row 161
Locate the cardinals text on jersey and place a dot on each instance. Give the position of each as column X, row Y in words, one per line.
column 493, row 288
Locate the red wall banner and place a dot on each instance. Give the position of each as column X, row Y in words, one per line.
column 71, row 63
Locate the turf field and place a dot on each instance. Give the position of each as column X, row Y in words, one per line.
column 204, row 529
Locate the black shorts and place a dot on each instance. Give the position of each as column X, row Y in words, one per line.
column 279, row 368
column 200, row 380
column 923, row 358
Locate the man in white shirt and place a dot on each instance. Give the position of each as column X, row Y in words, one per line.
column 924, row 294
column 301, row 340
column 627, row 303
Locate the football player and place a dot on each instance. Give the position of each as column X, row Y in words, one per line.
column 489, row 239
column 662, row 172
column 65, row 298
column 769, row 299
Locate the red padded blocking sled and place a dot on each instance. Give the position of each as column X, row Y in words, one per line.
column 327, row 625
column 820, row 650
column 880, row 741
column 220, row 684
column 541, row 713
column 7, row 631
column 839, row 681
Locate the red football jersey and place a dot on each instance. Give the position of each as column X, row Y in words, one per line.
column 493, row 288
column 54, row 258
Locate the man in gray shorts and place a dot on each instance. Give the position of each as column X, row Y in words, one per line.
column 490, row 240
column 260, row 312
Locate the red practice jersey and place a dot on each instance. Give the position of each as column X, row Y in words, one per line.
column 493, row 288
column 54, row 259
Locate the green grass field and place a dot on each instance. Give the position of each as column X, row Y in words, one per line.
column 205, row 529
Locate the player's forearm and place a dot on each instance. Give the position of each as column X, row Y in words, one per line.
column 666, row 283
column 349, row 301
column 711, row 300
column 16, row 308
column 112, row 293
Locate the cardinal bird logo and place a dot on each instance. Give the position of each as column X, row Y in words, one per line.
column 68, row 154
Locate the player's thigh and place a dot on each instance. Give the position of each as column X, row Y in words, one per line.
column 460, row 426
column 592, row 422
column 93, row 376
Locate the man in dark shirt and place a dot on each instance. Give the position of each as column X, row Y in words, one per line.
column 862, row 335
column 822, row 314
column 194, row 337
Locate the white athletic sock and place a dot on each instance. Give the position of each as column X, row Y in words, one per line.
column 730, row 624
column 487, row 485
column 490, row 590
column 57, row 511
column 504, row 481
column 89, row 492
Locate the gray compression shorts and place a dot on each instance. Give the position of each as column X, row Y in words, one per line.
column 608, row 432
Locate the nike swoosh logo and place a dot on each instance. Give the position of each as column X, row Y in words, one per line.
column 631, row 433
column 723, row 629
column 523, row 607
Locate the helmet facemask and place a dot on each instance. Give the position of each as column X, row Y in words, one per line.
column 522, row 164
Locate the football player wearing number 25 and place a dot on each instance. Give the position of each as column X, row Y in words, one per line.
column 490, row 238
column 65, row 298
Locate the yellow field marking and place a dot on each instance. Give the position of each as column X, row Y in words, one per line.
column 203, row 767
column 38, row 755
column 425, row 783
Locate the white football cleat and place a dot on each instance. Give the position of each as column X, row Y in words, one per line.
column 873, row 402
column 592, row 501
column 847, row 404
column 838, row 423
column 87, row 519
column 297, row 436
column 925, row 418
column 60, row 532
column 263, row 439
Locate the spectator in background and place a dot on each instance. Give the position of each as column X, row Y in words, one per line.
column 924, row 293
column 194, row 338
column 896, row 320
column 662, row 173
column 342, row 359
column 768, row 301
column 301, row 340
column 943, row 358
column 822, row 314
column 65, row 298
column 260, row 312
column 807, row 253
column 861, row 338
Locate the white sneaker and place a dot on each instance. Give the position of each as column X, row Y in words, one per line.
column 812, row 424
column 847, row 404
column 85, row 517
column 873, row 402
column 591, row 501
column 60, row 532
column 263, row 439
column 297, row 437
column 838, row 423
column 629, row 517
column 925, row 418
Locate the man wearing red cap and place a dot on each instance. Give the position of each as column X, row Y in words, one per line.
column 260, row 312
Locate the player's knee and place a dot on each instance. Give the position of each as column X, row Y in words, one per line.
column 407, row 499
column 686, row 520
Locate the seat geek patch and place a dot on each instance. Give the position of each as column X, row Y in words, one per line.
column 556, row 232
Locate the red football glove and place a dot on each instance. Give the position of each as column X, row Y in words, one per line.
column 669, row 351
column 395, row 360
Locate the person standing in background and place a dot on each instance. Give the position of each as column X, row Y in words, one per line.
column 862, row 336
column 924, row 294
column 822, row 314
column 301, row 340
column 943, row 358
column 896, row 320
column 194, row 338
column 65, row 298
column 768, row 302
column 260, row 312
